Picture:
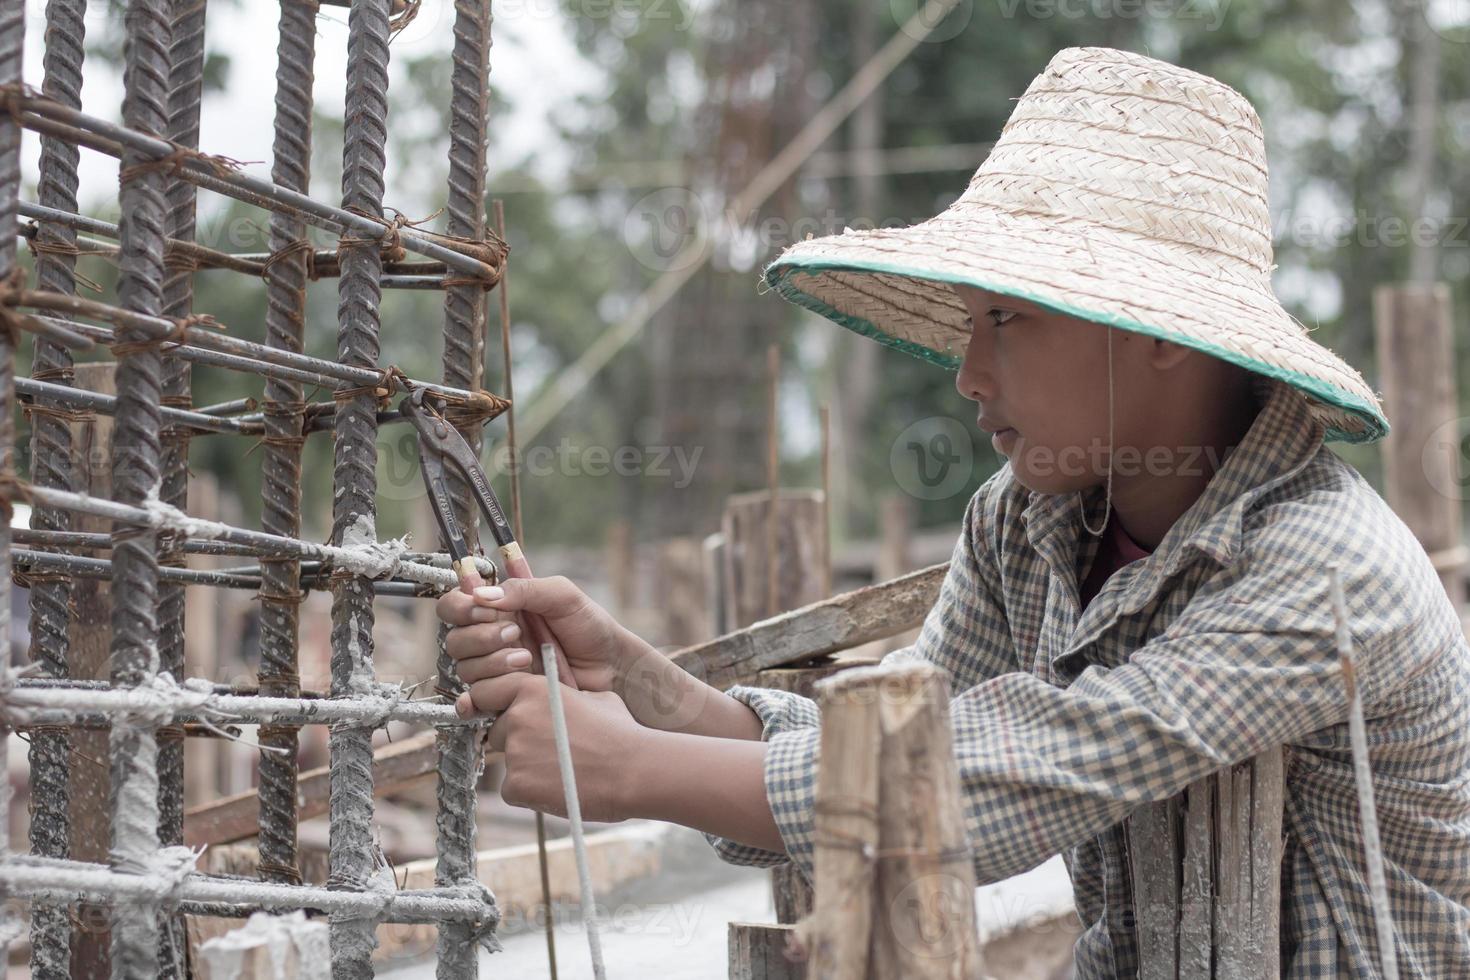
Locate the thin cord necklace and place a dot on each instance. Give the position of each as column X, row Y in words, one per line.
column 1108, row 502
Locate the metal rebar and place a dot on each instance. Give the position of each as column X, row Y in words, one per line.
column 72, row 880
column 164, row 700
column 185, row 89
column 322, row 263
column 12, row 49
column 157, row 328
column 36, row 564
column 460, row 758
column 364, row 557
column 113, row 140
column 53, row 398
column 283, row 415
column 51, row 466
column 354, row 477
column 133, row 745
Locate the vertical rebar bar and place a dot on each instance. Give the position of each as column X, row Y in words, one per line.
column 135, row 479
column 12, row 48
column 350, row 851
column 185, row 88
column 464, row 366
column 283, row 411
column 51, row 466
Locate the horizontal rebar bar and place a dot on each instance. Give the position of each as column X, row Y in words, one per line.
column 107, row 404
column 238, row 406
column 396, row 275
column 44, row 116
column 379, row 559
column 314, row 575
column 27, row 876
column 163, row 329
column 164, row 701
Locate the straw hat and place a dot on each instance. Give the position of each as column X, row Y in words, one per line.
column 1122, row 190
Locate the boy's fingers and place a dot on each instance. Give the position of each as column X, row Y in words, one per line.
column 495, row 694
column 478, row 639
column 553, row 597
column 493, row 665
column 454, row 608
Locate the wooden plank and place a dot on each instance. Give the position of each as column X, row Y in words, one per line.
column 1154, row 854
column 1197, row 882
column 237, row 817
column 757, row 952
column 924, row 927
column 1232, row 861
column 843, row 621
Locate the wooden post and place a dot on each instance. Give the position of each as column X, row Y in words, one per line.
column 618, row 556
column 895, row 893
column 799, row 533
column 758, row 952
column 681, row 591
column 714, row 584
column 1423, row 480
column 1206, row 869
column 89, row 639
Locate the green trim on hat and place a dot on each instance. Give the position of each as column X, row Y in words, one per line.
column 779, row 279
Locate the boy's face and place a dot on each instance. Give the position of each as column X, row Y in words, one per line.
column 1042, row 377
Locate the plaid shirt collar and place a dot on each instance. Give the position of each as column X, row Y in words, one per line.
column 1281, row 441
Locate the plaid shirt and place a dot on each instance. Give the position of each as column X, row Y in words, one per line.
column 1215, row 647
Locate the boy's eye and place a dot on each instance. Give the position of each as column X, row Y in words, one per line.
column 999, row 317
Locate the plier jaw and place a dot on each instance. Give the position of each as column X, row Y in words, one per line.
column 441, row 447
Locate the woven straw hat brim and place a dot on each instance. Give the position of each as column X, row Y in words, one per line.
column 894, row 285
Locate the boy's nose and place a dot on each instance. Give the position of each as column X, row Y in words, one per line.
column 973, row 380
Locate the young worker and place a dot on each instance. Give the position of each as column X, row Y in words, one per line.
column 1139, row 597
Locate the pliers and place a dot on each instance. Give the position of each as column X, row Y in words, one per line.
column 440, row 444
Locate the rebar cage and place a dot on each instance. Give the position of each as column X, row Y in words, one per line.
column 156, row 335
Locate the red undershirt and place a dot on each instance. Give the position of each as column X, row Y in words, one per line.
column 1114, row 551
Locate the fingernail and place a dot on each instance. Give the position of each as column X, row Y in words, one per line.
column 463, row 705
column 519, row 658
column 510, row 632
column 490, row 593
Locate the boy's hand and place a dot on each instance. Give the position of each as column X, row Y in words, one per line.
column 604, row 740
column 489, row 641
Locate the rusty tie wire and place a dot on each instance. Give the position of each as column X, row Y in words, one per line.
column 280, row 591
column 51, row 466
column 354, row 477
